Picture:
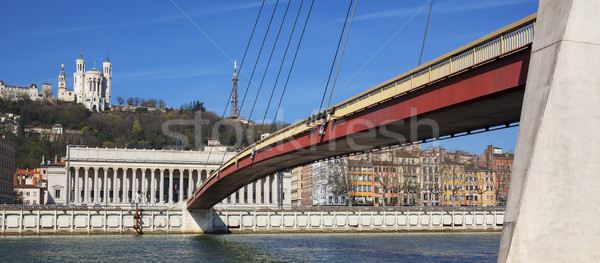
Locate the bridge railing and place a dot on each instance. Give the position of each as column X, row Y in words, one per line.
column 496, row 44
column 491, row 46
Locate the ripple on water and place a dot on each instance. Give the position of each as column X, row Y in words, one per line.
column 380, row 247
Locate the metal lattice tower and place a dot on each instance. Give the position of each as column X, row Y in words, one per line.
column 235, row 107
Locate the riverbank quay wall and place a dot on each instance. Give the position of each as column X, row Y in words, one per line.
column 73, row 220
column 41, row 220
column 358, row 219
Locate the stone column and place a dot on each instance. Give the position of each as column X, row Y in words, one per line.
column 86, row 185
column 259, row 191
column 203, row 177
column 152, row 187
column 243, row 194
column 125, row 189
column 76, row 190
column 199, row 181
column 105, row 186
column 275, row 187
column 170, row 201
column 180, row 187
column 190, row 182
column 161, row 190
column 144, row 184
column 250, row 188
column 95, row 186
column 115, row 188
column 267, row 189
column 134, row 186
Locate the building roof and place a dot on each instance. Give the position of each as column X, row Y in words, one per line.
column 27, row 171
column 25, row 186
column 17, row 87
column 404, row 154
column 8, row 142
column 381, row 163
column 504, row 156
column 446, row 162
column 61, row 163
column 361, row 163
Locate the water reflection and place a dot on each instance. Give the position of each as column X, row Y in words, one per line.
column 383, row 247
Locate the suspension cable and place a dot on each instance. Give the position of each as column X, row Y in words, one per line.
column 243, row 58
column 341, row 56
column 258, row 57
column 425, row 36
column 291, row 34
column 269, row 60
column 336, row 53
column 282, row 61
column 251, row 35
column 291, row 67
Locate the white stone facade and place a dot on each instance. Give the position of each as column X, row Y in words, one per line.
column 16, row 93
column 92, row 88
column 63, row 94
column 321, row 173
column 117, row 176
column 157, row 177
column 272, row 191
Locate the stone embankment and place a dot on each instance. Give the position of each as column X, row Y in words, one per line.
column 38, row 220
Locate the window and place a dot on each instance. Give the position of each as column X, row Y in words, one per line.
column 56, row 193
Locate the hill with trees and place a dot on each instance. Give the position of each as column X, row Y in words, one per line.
column 187, row 128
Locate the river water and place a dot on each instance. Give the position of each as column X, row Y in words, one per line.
column 380, row 247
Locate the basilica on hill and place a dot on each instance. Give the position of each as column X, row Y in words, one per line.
column 91, row 88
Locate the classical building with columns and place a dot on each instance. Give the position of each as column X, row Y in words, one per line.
column 111, row 176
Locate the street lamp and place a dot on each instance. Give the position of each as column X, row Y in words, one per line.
column 69, row 170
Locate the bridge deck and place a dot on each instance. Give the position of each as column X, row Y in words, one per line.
column 476, row 86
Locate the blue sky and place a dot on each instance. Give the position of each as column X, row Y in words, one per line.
column 158, row 52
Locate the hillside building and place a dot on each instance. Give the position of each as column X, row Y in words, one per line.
column 7, row 166
column 91, row 88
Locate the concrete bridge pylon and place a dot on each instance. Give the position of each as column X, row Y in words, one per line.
column 554, row 199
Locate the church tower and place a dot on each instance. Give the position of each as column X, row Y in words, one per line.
column 78, row 77
column 62, row 78
column 107, row 73
column 235, row 108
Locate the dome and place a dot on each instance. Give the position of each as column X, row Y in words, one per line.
column 93, row 71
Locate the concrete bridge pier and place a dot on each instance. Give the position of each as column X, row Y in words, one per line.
column 199, row 220
column 553, row 204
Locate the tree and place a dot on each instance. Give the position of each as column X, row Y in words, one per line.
column 479, row 187
column 149, row 102
column 17, row 197
column 335, row 171
column 137, row 101
column 120, row 100
column 130, row 101
column 437, row 191
column 454, row 188
column 161, row 104
column 47, row 93
column 388, row 174
column 498, row 188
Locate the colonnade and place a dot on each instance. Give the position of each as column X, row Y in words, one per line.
column 158, row 186
column 263, row 191
column 119, row 185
